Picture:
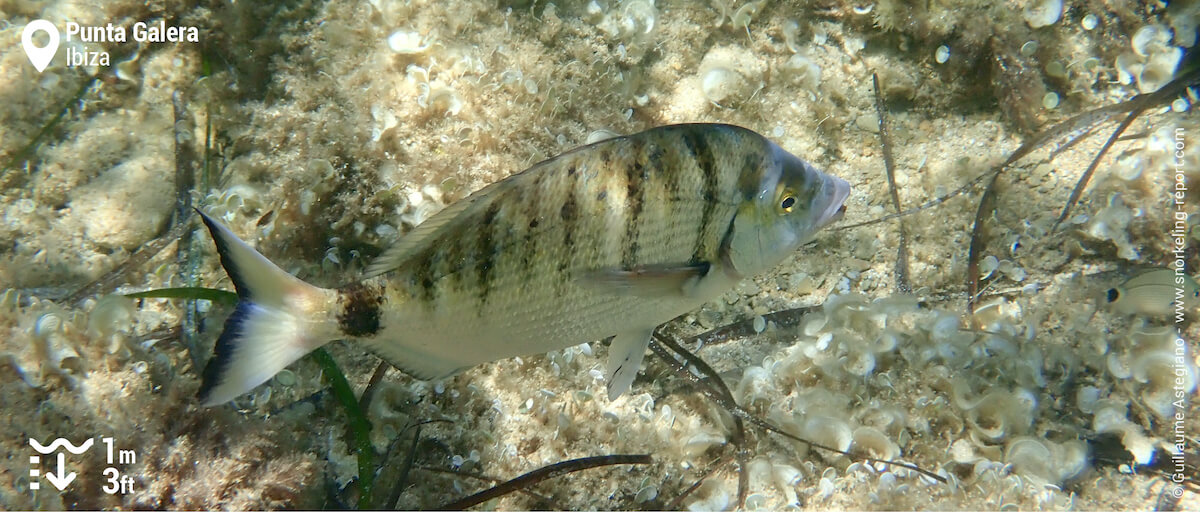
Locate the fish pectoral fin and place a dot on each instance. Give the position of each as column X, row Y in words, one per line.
column 649, row 280
column 624, row 359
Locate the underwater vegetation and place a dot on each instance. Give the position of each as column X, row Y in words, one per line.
column 1008, row 335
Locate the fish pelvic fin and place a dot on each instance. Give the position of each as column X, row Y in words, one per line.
column 624, row 359
column 278, row 319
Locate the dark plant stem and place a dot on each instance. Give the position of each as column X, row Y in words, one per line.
column 544, row 473
column 360, row 427
column 889, row 163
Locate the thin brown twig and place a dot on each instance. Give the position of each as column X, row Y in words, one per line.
column 745, row 328
column 143, row 254
column 1139, row 104
column 1091, row 169
column 1075, row 128
column 402, row 479
column 1084, row 134
column 987, row 205
column 186, row 256
column 742, row 454
column 549, row 471
column 481, row 477
column 393, row 447
column 739, row 431
column 1072, row 128
column 682, row 370
column 963, row 189
column 364, row 401
column 791, row 318
column 889, row 164
column 712, row 468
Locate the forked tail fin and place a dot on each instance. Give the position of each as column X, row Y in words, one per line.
column 278, row 319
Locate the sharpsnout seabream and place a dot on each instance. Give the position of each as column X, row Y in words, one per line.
column 608, row 240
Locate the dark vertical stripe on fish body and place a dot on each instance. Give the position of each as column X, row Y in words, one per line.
column 750, row 175
column 531, row 218
column 673, row 175
column 635, row 184
column 569, row 215
column 422, row 276
column 450, row 262
column 532, row 202
column 701, row 153
column 449, row 259
column 487, row 241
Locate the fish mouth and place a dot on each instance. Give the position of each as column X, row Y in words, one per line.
column 835, row 209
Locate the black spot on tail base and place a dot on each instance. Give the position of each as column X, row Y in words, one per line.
column 359, row 309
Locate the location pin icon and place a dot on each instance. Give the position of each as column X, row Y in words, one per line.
column 40, row 57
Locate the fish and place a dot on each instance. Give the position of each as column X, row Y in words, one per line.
column 1154, row 292
column 605, row 241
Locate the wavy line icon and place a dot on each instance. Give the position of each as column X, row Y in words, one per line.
column 61, row 442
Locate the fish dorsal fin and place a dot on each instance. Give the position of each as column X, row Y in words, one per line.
column 435, row 226
column 649, row 280
column 419, row 237
column 624, row 358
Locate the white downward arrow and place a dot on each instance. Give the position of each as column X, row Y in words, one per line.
column 62, row 479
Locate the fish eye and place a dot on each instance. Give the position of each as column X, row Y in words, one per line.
column 788, row 203
column 1113, row 295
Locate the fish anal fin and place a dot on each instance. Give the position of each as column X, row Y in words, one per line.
column 413, row 362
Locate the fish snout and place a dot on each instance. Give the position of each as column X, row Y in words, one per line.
column 836, row 191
